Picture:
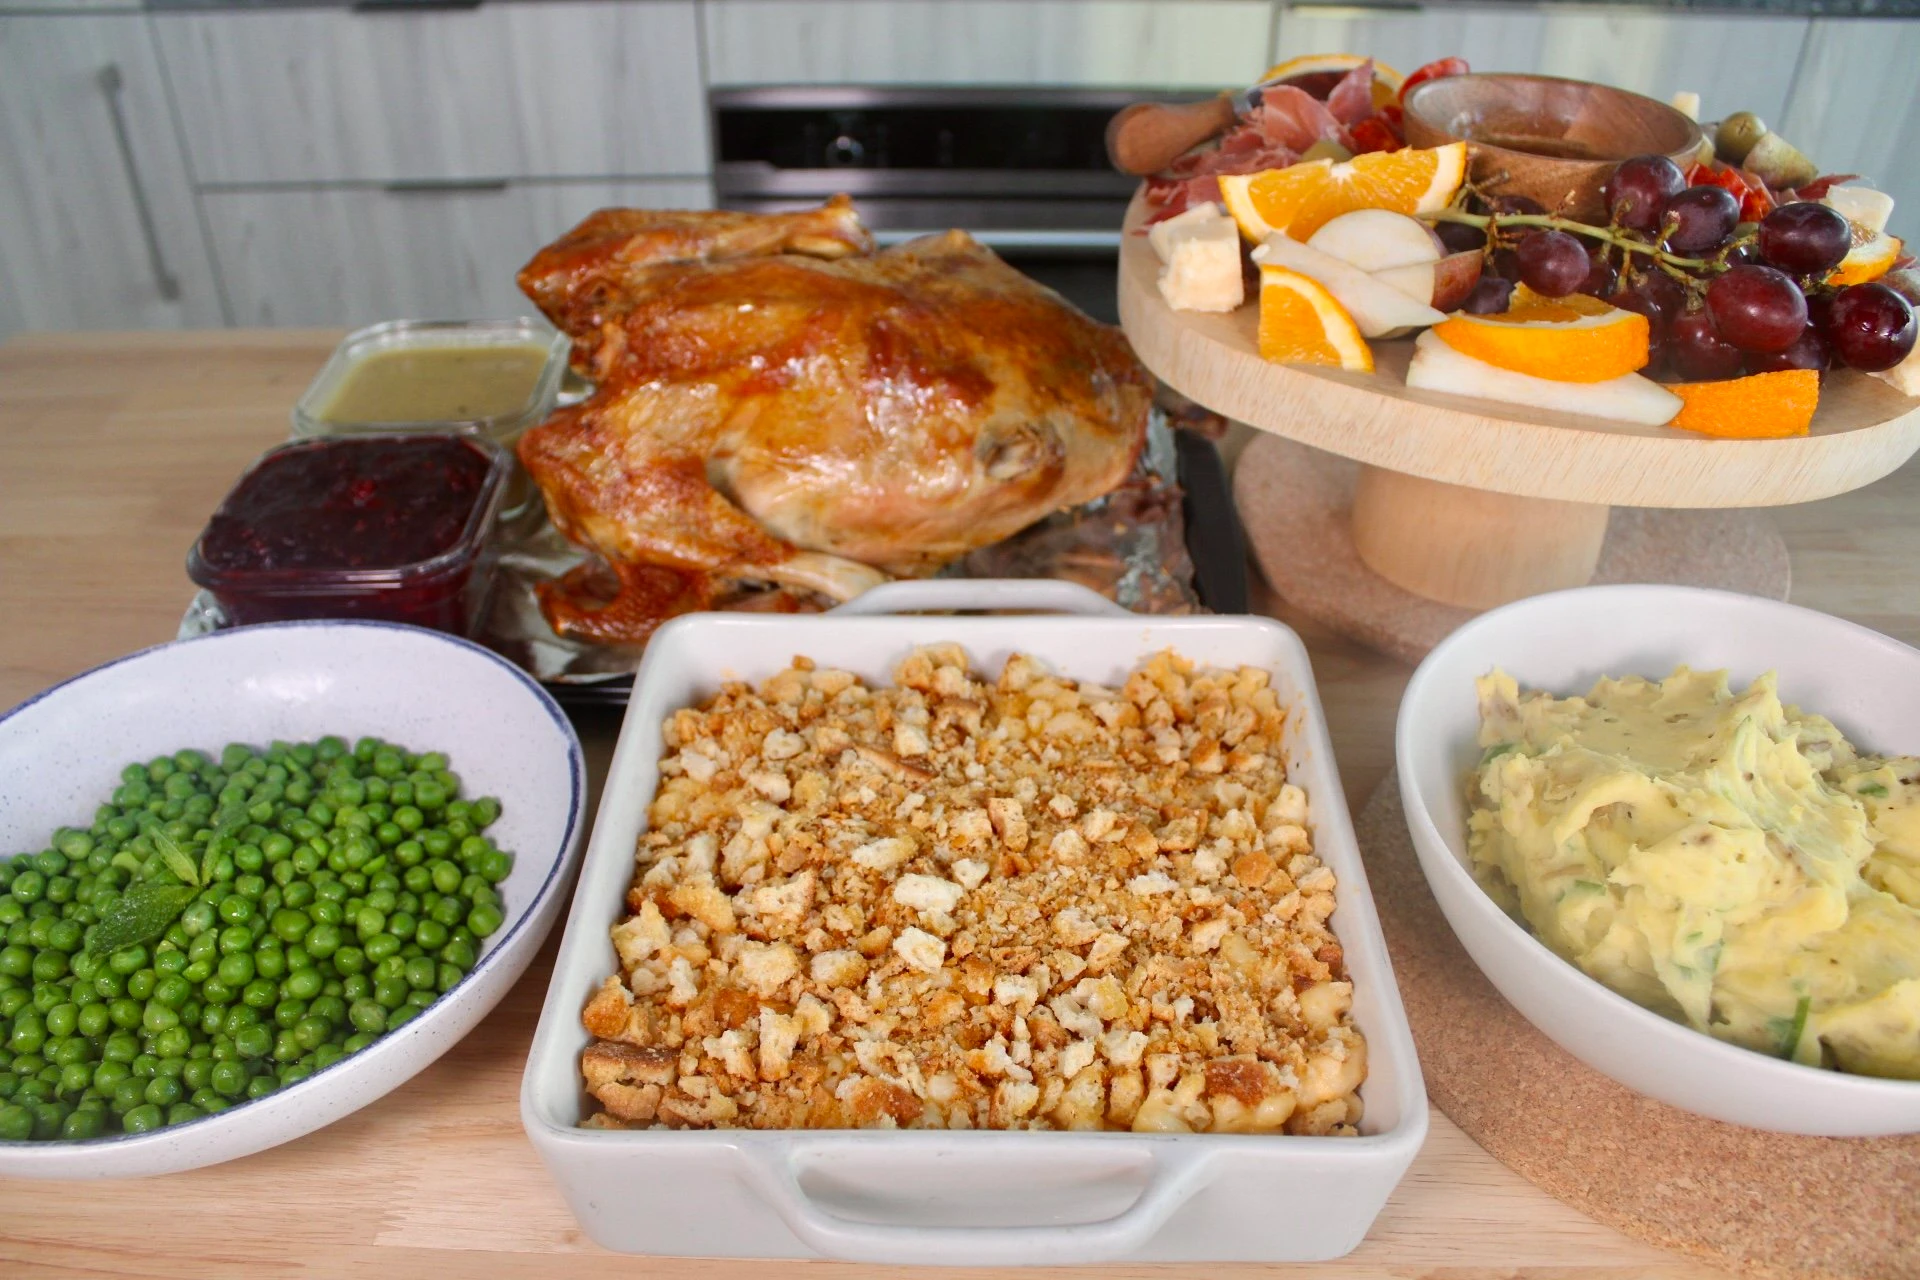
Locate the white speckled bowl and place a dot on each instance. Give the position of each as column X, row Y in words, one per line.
column 61, row 754
column 1865, row 683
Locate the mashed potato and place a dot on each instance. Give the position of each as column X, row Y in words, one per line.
column 1722, row 859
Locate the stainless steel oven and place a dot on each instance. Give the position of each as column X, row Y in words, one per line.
column 1024, row 170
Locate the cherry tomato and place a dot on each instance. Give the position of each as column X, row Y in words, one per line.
column 1374, row 134
column 1755, row 202
column 1434, row 71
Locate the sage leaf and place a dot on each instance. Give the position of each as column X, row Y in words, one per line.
column 139, row 915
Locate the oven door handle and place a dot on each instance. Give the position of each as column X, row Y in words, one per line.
column 1069, row 241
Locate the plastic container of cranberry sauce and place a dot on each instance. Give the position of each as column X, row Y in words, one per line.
column 391, row 527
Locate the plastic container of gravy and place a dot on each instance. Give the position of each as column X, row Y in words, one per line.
column 487, row 378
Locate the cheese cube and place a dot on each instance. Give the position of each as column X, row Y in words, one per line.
column 1201, row 250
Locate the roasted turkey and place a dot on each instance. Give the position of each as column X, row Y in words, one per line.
column 777, row 402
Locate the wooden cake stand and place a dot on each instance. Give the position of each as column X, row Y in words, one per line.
column 1460, row 504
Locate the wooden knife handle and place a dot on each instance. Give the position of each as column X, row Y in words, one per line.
column 1148, row 136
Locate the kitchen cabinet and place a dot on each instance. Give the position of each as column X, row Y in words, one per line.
column 505, row 90
column 351, row 255
column 97, row 221
column 1127, row 43
column 1732, row 62
column 1855, row 107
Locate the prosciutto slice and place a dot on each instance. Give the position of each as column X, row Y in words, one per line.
column 1352, row 99
column 1293, row 118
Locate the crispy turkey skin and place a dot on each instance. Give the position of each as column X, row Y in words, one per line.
column 777, row 402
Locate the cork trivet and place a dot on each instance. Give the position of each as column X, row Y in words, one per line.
column 1295, row 501
column 1756, row 1203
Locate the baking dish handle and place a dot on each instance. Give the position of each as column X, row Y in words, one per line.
column 1031, row 595
column 1176, row 1171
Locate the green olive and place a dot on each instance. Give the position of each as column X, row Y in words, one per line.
column 1737, row 135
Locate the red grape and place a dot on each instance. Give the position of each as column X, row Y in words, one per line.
column 1809, row 351
column 1638, row 191
column 1600, row 273
column 1506, row 206
column 1701, row 219
column 1804, row 238
column 1757, row 308
column 1552, row 263
column 1459, row 237
column 1655, row 295
column 1698, row 352
column 1871, row 327
column 1489, row 297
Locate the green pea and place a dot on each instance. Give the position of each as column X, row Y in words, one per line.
column 163, row 1091
column 156, row 1018
column 459, row 952
column 236, row 969
column 311, row 1032
column 140, row 985
column 16, row 1123
column 63, row 1020
column 229, row 1078
column 484, row 920
column 349, row 960
column 236, row 937
column 235, row 909
column 172, row 991
column 380, row 946
column 29, row 1033
column 198, row 971
column 65, row 935
column 93, row 1020
column 303, row 984
column 270, row 963
column 196, row 1075
column 322, row 940
column 261, row 1086
column 253, row 1042
column 261, row 993
column 205, row 946
column 368, row 1016
column 421, row 973
column 168, row 961
column 16, row 961
column 289, row 1012
column 173, row 1043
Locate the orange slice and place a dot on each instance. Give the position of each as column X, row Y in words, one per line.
column 1386, row 81
column 1301, row 198
column 1760, row 406
column 1872, row 256
column 1301, row 323
column 1570, row 339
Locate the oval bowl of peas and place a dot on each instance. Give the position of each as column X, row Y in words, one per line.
column 253, row 881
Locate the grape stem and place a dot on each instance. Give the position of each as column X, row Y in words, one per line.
column 1493, row 222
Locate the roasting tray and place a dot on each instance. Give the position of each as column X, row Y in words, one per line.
column 1206, row 574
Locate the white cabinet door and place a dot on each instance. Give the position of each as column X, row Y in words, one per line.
column 1506, row 39
column 1855, row 107
column 1130, row 43
column 97, row 222
column 502, row 91
column 354, row 255
column 1734, row 63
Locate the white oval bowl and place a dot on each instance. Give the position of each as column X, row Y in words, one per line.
column 61, row 754
column 1866, row 683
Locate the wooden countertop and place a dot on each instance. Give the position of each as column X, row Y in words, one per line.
column 113, row 449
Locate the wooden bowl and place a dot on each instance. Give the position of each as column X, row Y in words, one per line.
column 1540, row 136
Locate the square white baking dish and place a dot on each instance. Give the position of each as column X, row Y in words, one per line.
column 967, row 1198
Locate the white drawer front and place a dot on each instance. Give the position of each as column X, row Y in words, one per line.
column 1053, row 42
column 505, row 90
column 354, row 255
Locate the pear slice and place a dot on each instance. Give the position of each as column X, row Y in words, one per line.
column 1380, row 310
column 1378, row 240
column 1444, row 284
column 1629, row 398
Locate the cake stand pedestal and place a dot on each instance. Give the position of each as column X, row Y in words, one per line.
column 1460, row 504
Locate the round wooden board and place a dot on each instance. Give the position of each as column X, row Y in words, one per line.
column 1863, row 430
column 1756, row 1203
column 1295, row 504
